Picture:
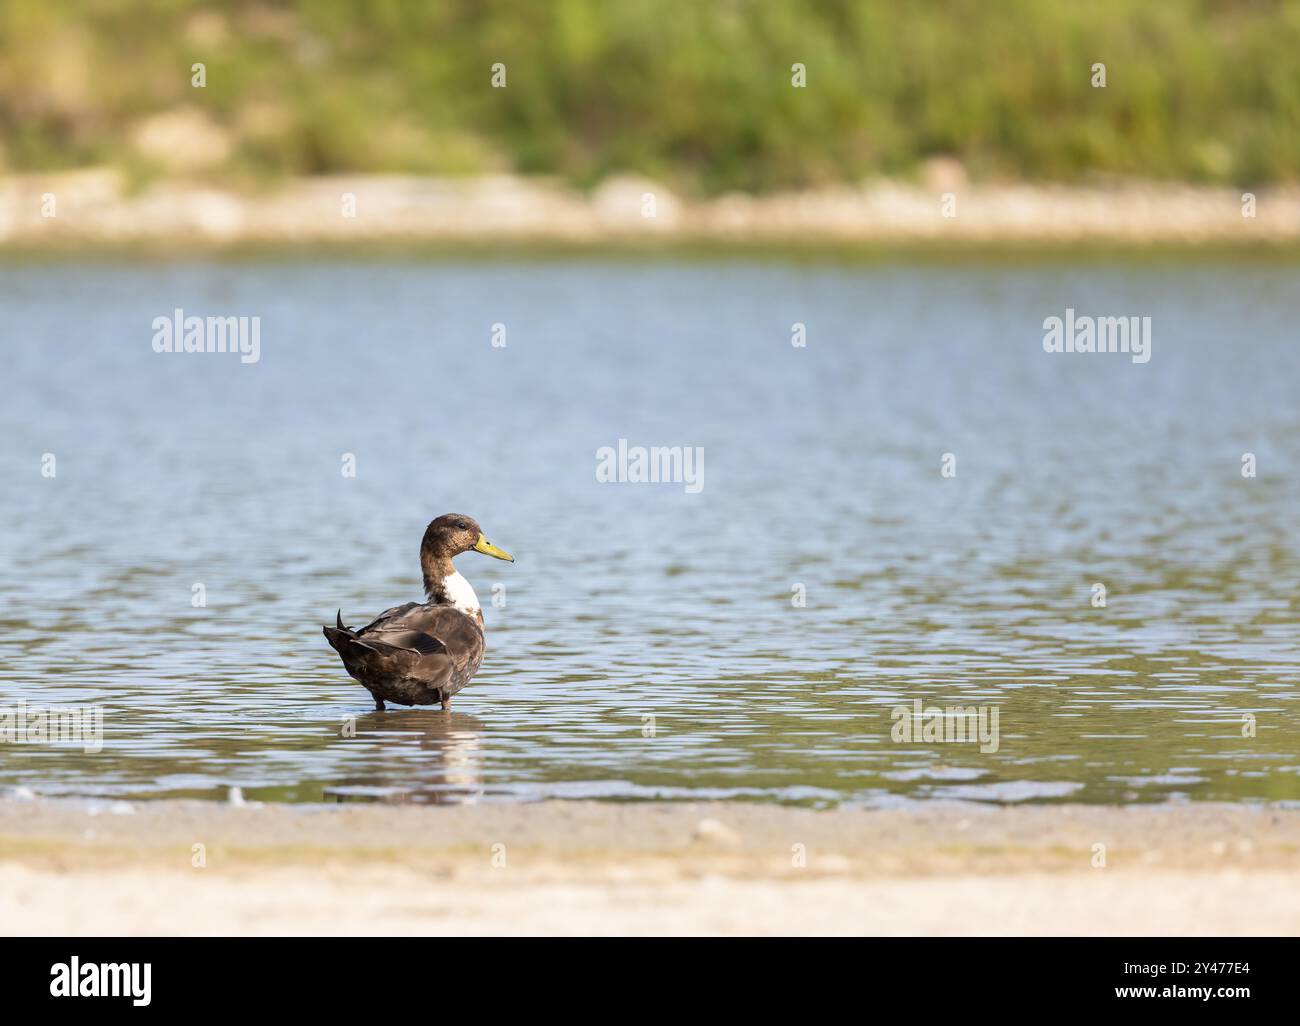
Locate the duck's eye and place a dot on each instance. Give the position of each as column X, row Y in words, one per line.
column 463, row 526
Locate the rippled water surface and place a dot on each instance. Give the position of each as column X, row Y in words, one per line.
column 637, row 601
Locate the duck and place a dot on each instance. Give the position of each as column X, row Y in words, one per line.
column 422, row 653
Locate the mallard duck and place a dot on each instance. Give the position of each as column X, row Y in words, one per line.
column 421, row 653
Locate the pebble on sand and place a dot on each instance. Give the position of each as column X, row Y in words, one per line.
column 714, row 831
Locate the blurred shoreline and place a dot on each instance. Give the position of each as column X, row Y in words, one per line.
column 97, row 209
column 189, row 867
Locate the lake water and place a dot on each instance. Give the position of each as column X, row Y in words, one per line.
column 822, row 468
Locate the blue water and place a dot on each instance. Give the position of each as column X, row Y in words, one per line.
column 645, row 643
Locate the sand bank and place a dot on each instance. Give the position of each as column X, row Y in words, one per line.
column 96, row 207
column 598, row 868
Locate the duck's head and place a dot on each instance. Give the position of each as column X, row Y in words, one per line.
column 453, row 533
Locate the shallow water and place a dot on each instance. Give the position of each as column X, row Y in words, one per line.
column 822, row 468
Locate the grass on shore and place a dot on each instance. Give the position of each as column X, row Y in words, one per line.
column 698, row 95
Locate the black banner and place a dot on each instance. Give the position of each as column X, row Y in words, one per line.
column 338, row 976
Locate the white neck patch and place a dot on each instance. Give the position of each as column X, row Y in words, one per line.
column 460, row 593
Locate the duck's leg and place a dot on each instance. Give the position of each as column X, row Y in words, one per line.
column 379, row 704
column 446, row 703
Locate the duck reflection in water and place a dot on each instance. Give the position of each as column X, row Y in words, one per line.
column 448, row 771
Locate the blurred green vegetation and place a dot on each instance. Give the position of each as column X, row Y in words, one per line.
column 697, row 94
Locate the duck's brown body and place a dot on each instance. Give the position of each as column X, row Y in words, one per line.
column 413, row 654
column 422, row 653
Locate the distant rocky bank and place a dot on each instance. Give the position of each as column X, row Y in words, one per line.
column 96, row 208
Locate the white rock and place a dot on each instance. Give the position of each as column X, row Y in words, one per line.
column 715, row 832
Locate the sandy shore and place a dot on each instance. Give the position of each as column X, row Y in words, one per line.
column 596, row 868
column 97, row 208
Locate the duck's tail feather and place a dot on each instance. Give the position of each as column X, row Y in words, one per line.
column 358, row 652
column 339, row 636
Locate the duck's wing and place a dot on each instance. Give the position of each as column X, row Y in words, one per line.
column 403, row 627
column 427, row 629
column 439, row 645
column 389, row 614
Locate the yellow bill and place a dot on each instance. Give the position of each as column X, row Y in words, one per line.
column 488, row 549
